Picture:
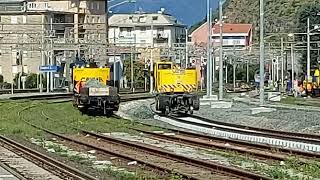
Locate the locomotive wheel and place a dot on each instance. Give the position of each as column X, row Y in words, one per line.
column 167, row 111
column 157, row 104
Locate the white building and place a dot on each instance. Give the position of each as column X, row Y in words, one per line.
column 143, row 29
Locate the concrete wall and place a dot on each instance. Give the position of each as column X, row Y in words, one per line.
column 25, row 40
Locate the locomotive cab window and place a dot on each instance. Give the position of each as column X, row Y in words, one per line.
column 164, row 66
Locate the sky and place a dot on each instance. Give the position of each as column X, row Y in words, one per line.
column 188, row 12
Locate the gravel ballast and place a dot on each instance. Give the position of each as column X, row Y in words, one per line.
column 239, row 113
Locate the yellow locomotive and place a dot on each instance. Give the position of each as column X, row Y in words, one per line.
column 176, row 88
column 91, row 90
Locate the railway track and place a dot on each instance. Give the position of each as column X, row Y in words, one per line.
column 153, row 157
column 299, row 143
column 65, row 97
column 55, row 167
column 242, row 147
column 156, row 158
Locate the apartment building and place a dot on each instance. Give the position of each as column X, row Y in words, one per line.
column 40, row 32
column 146, row 29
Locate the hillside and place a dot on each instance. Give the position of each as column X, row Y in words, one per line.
column 280, row 15
column 188, row 12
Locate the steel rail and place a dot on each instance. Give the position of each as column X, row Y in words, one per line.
column 70, row 171
column 201, row 163
column 232, row 129
column 149, row 164
column 12, row 171
column 310, row 138
column 211, row 142
column 240, row 142
column 152, row 165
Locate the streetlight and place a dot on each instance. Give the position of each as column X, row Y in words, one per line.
column 221, row 52
column 261, row 52
column 292, row 60
column 209, row 72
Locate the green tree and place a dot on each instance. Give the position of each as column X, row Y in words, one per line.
column 31, row 81
column 241, row 72
column 310, row 11
column 138, row 72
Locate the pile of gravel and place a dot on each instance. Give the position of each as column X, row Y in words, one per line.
column 93, row 83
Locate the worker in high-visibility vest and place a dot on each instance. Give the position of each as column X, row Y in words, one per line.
column 77, row 87
column 309, row 87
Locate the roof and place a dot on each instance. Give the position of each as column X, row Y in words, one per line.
column 144, row 19
column 202, row 25
column 232, row 28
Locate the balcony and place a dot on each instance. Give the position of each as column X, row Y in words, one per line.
column 160, row 35
column 230, row 42
column 38, row 6
column 12, row 7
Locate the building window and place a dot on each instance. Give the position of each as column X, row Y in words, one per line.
column 143, row 41
column 92, row 5
column 93, row 20
column 24, row 19
column 24, row 53
column 98, row 20
column 25, row 69
column 160, row 30
column 46, row 5
column 98, row 5
column 124, row 31
column 32, row 5
column 143, row 30
column 14, row 19
column 142, row 19
column 154, row 18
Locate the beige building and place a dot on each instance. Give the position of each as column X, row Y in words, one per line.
column 40, row 32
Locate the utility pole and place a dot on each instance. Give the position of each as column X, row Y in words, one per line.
column 226, row 72
column 107, row 23
column 145, row 77
column 234, row 67
column 208, row 50
column 247, row 71
column 261, row 51
column 151, row 60
column 277, row 67
column 292, row 65
column 131, row 62
column 42, row 52
column 308, row 48
column 221, row 54
column 187, row 55
column 210, row 53
column 114, row 57
column 282, row 64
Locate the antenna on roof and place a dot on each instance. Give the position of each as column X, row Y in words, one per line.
column 161, row 10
